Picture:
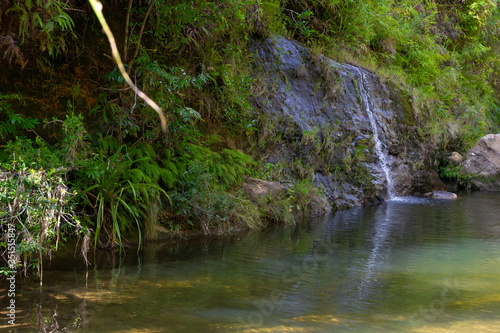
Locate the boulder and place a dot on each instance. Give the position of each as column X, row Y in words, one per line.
column 427, row 182
column 455, row 158
column 262, row 188
column 482, row 163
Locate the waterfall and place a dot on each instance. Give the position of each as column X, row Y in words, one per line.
column 382, row 156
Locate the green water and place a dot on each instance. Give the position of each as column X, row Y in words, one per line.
column 402, row 266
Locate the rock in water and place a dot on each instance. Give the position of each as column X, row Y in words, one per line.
column 443, row 195
column 482, row 163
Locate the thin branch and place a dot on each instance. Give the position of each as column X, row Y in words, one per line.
column 142, row 30
column 53, row 121
column 135, row 97
column 97, row 7
column 127, row 22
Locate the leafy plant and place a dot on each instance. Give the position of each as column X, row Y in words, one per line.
column 50, row 17
column 13, row 122
column 39, row 205
column 455, row 173
column 114, row 195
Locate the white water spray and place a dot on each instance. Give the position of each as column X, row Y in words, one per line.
column 382, row 156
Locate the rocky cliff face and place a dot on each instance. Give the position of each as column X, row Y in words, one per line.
column 316, row 111
column 482, row 163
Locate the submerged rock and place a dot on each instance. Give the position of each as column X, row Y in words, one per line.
column 482, row 163
column 442, row 195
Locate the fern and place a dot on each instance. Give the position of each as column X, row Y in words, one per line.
column 168, row 178
column 14, row 122
column 172, row 167
column 137, row 176
column 50, row 16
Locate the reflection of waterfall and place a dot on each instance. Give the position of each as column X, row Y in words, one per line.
column 383, row 227
column 382, row 156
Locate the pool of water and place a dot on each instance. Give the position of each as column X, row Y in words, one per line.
column 407, row 265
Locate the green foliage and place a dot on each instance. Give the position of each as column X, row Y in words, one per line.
column 36, row 155
column 331, row 150
column 170, row 86
column 39, row 206
column 74, row 136
column 455, row 174
column 51, row 17
column 217, row 210
column 11, row 123
column 208, row 80
column 301, row 198
column 302, row 27
column 124, row 189
column 204, row 188
column 201, row 24
column 42, row 204
column 107, row 193
column 39, row 154
column 305, row 197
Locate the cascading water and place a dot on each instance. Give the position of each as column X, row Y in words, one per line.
column 382, row 156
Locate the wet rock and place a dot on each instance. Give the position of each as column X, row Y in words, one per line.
column 396, row 149
column 341, row 195
column 433, row 181
column 310, row 91
column 262, row 188
column 455, row 158
column 425, row 182
column 482, row 163
column 408, row 181
column 442, row 195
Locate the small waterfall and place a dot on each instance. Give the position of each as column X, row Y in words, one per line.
column 382, row 156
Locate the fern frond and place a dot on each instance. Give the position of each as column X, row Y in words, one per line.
column 171, row 166
column 168, row 177
column 136, row 175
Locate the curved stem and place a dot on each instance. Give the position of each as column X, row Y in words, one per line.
column 97, row 7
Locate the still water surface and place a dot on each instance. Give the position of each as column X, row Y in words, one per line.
column 411, row 265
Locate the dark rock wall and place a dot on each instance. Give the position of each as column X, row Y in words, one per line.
column 311, row 91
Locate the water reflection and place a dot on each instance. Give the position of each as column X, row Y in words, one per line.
column 385, row 220
column 406, row 266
